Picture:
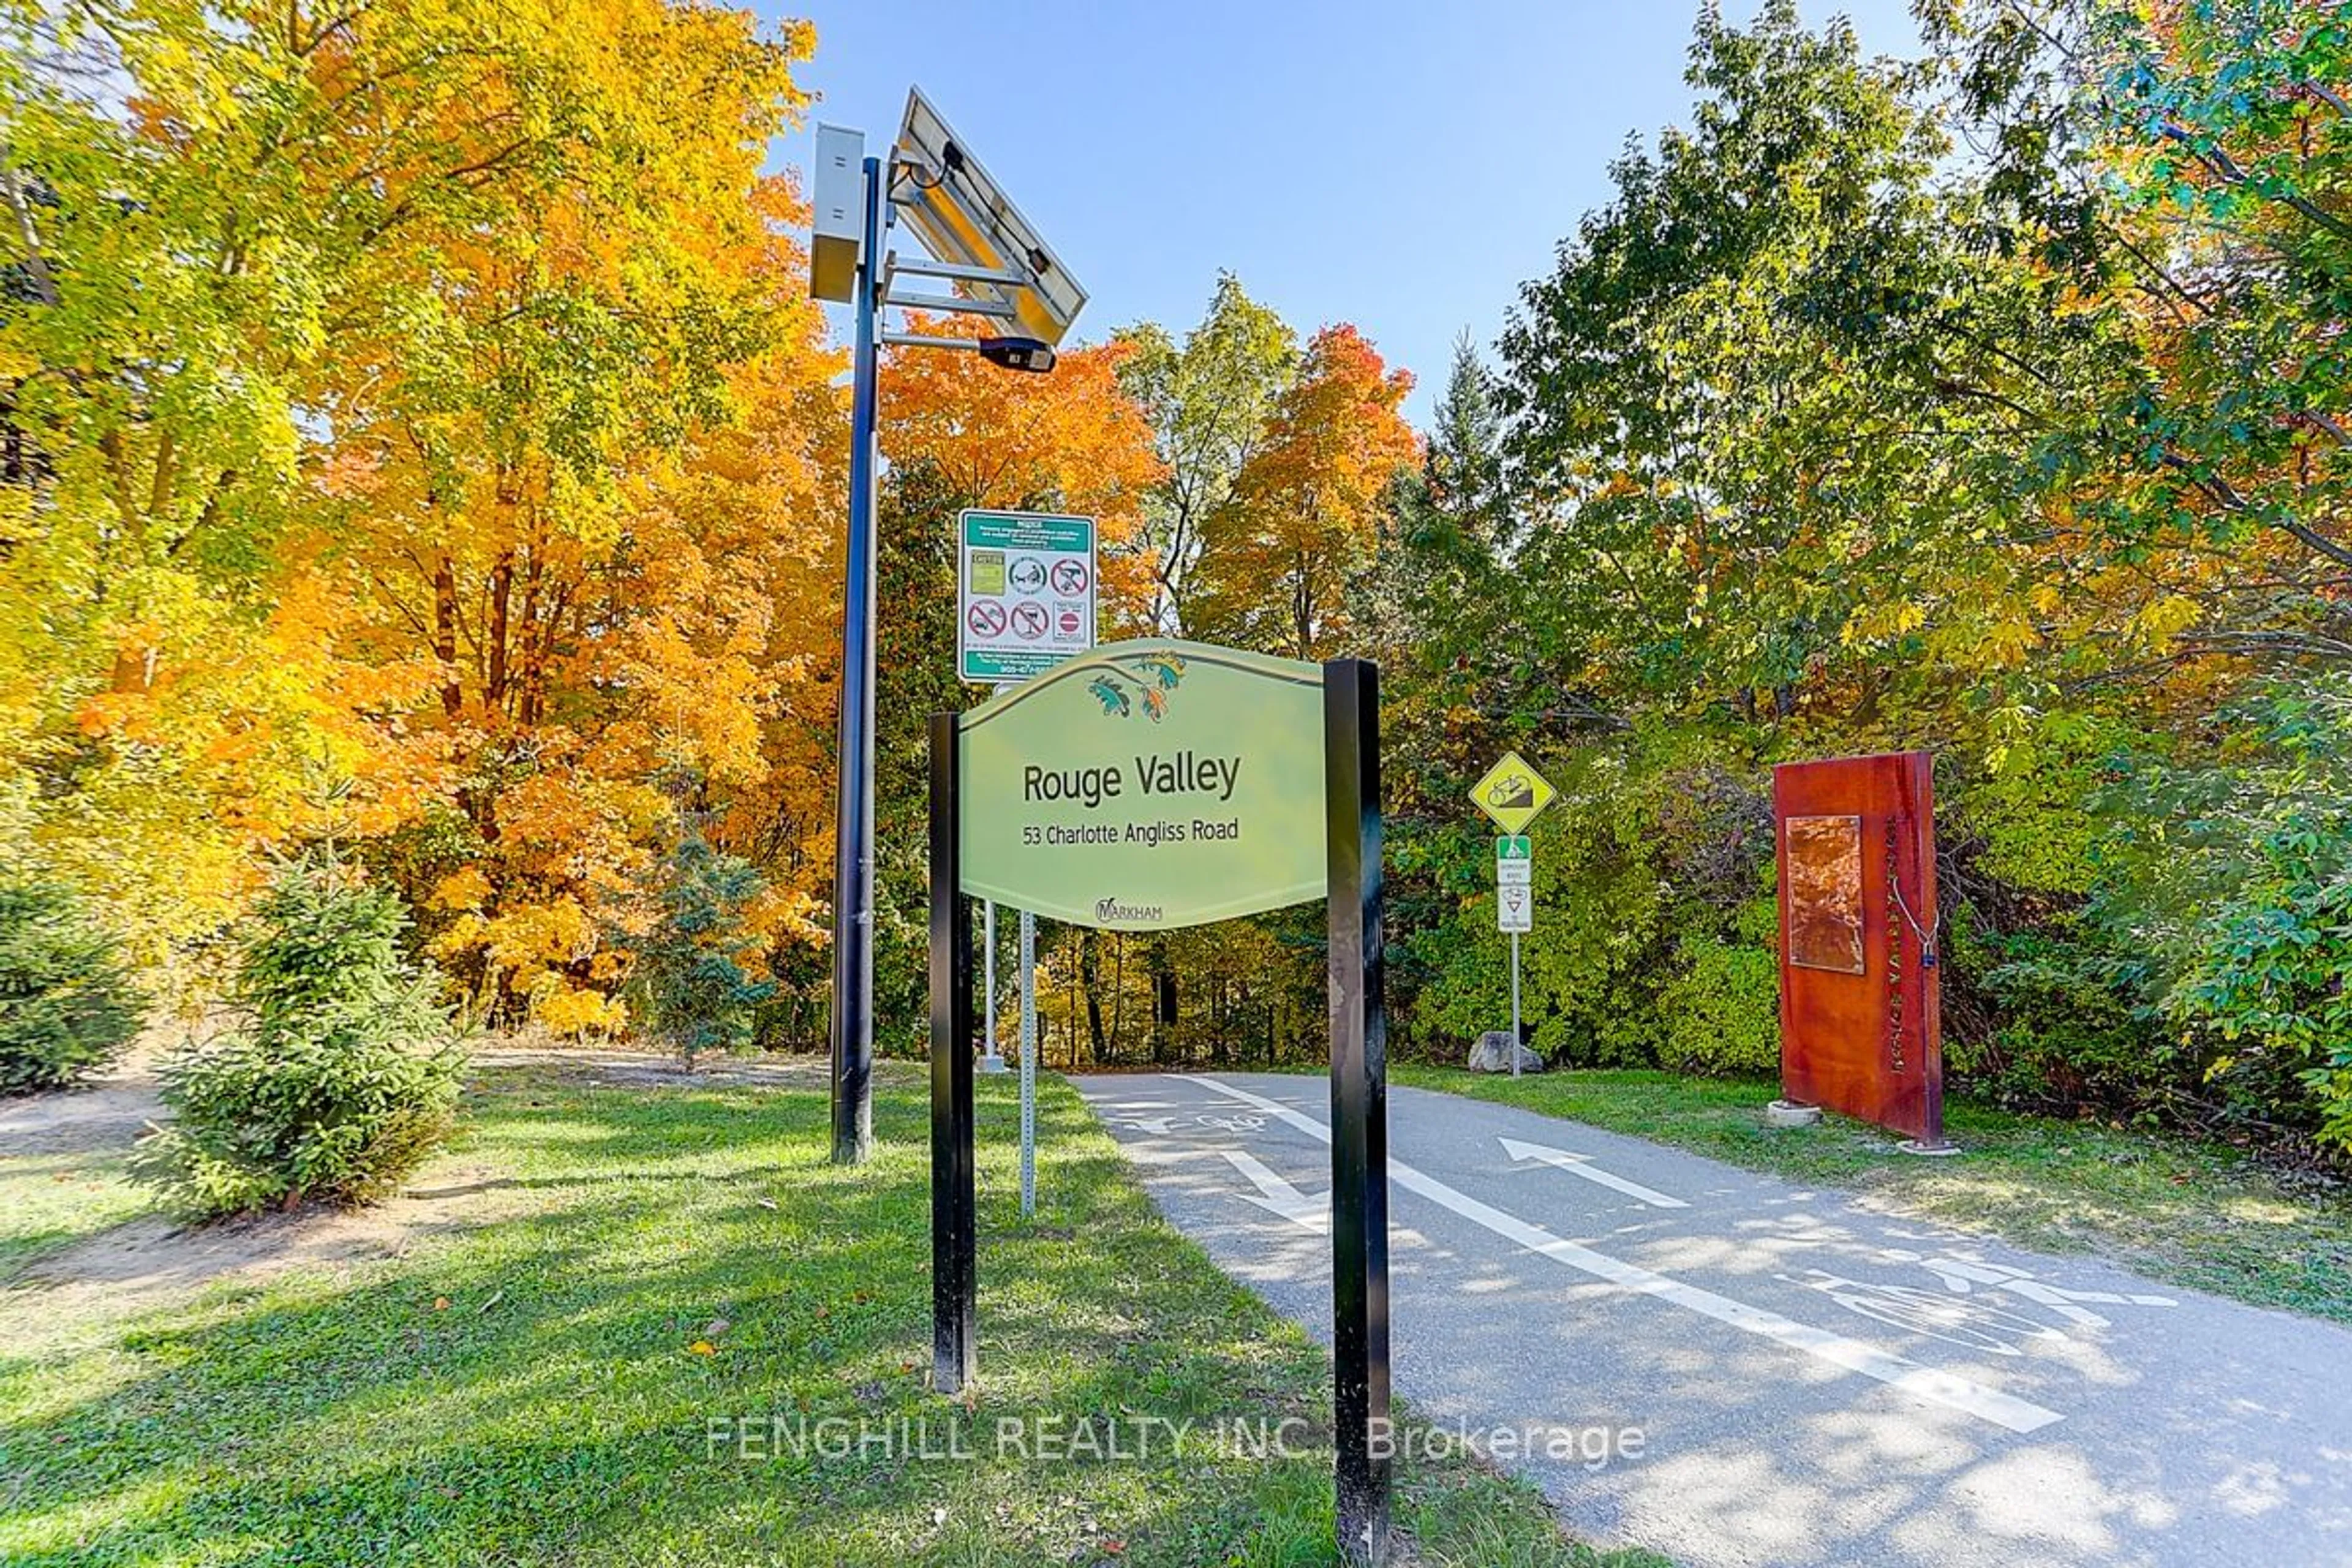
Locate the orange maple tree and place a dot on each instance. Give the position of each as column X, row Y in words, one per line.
column 1303, row 514
column 1073, row 441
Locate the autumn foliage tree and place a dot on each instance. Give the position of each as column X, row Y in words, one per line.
column 446, row 421
column 959, row 432
column 1302, row 514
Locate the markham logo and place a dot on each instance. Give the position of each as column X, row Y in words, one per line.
column 1148, row 678
column 1133, row 914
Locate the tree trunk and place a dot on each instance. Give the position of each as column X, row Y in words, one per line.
column 1117, row 987
column 533, row 638
column 445, row 634
column 1302, row 607
column 494, row 683
column 1090, row 977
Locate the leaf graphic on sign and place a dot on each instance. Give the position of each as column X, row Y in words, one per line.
column 1113, row 700
column 1153, row 676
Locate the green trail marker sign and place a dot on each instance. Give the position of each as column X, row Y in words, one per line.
column 1025, row 593
column 1514, row 860
column 1147, row 785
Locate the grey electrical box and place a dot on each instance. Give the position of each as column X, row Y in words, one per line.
column 838, row 194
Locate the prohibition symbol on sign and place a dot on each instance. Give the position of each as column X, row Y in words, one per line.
column 1029, row 620
column 1069, row 578
column 985, row 619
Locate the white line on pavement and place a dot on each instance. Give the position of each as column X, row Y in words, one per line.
column 1943, row 1388
column 1581, row 1165
column 1280, row 1196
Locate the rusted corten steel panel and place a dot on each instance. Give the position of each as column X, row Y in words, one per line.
column 1860, row 1005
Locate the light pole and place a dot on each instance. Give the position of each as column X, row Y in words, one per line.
column 853, row 862
column 981, row 244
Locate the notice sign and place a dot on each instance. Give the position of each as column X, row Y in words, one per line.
column 1146, row 785
column 1515, row 908
column 1025, row 597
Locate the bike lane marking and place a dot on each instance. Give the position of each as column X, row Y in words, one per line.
column 1278, row 1195
column 1947, row 1389
column 1582, row 1165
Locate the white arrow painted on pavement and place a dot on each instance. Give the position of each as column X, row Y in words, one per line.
column 1944, row 1388
column 1581, row 1165
column 1278, row 1196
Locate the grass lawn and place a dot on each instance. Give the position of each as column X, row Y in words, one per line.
column 47, row 1199
column 539, row 1386
column 2198, row 1215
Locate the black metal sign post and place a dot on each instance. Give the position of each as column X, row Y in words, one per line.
column 1359, row 1140
column 1360, row 1125
column 954, row 1278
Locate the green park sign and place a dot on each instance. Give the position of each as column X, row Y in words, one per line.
column 1148, row 784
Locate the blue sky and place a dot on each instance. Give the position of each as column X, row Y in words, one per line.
column 1403, row 166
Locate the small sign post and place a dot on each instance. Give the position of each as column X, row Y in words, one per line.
column 1515, row 912
column 1514, row 795
column 1024, row 602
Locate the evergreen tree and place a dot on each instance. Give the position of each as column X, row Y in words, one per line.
column 66, row 1002
column 344, row 1075
column 694, row 981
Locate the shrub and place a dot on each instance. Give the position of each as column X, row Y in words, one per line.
column 2235, row 877
column 67, row 1002
column 2066, row 1035
column 344, row 1075
column 1656, row 849
column 1722, row 1008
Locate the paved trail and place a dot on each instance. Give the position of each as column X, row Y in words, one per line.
column 1814, row 1382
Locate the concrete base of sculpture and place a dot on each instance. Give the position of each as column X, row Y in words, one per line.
column 1783, row 1113
column 1927, row 1151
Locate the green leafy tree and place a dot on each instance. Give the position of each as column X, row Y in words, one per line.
column 2183, row 172
column 2229, row 880
column 1210, row 400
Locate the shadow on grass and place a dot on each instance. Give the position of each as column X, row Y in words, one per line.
column 617, row 1374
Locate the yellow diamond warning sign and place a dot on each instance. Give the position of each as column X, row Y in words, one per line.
column 1513, row 793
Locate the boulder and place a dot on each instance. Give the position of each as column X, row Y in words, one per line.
column 1492, row 1053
